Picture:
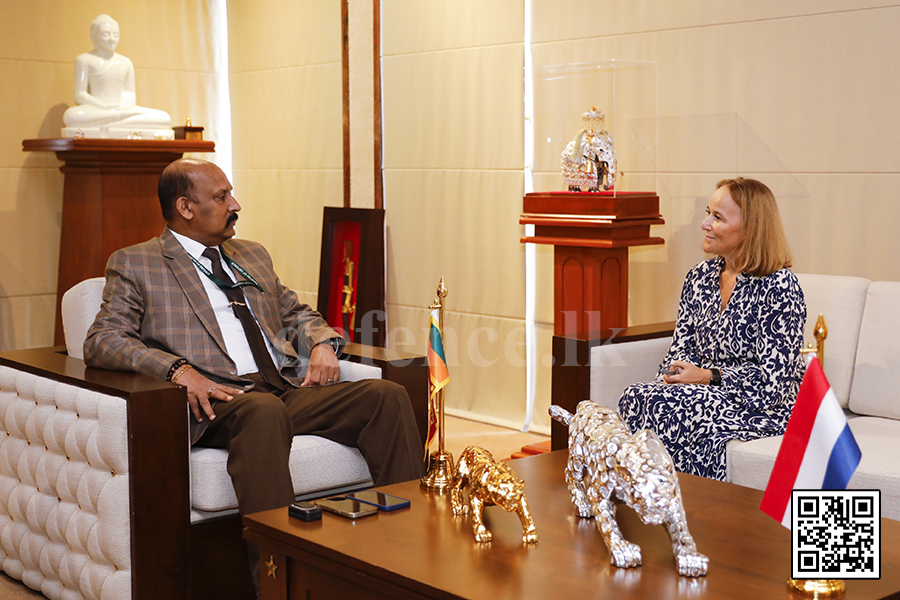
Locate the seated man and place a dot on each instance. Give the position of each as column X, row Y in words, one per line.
column 105, row 96
column 208, row 312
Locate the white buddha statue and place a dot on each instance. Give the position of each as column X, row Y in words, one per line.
column 104, row 94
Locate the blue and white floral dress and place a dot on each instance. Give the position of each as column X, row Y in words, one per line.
column 755, row 343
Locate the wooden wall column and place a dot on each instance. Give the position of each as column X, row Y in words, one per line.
column 586, row 279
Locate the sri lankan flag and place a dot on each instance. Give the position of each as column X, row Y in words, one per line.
column 438, row 376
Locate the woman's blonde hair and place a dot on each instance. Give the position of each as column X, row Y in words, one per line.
column 764, row 248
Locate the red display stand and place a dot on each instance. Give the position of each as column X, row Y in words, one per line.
column 109, row 200
column 591, row 233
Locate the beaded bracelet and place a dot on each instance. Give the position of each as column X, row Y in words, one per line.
column 175, row 366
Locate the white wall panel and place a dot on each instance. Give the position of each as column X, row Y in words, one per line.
column 452, row 77
column 485, row 357
column 287, row 118
column 454, row 110
column 414, row 26
column 275, row 34
column 555, row 21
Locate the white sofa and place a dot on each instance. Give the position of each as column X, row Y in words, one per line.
column 862, row 353
column 100, row 495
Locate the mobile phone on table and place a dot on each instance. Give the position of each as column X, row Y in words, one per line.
column 305, row 511
column 379, row 499
column 346, row 507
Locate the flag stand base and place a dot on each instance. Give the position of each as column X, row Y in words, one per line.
column 817, row 588
column 440, row 473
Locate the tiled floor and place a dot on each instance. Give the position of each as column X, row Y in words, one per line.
column 459, row 433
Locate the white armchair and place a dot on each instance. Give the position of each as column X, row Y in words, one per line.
column 318, row 466
column 100, row 494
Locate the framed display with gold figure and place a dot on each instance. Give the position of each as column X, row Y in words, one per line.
column 351, row 273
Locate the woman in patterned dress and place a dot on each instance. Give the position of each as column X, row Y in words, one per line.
column 734, row 367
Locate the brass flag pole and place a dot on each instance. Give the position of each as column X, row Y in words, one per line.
column 440, row 463
column 817, row 588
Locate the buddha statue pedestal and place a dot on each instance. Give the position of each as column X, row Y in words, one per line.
column 113, row 133
column 109, row 200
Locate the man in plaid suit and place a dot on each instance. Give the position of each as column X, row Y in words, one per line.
column 168, row 313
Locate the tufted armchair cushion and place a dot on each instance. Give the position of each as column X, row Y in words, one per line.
column 64, row 488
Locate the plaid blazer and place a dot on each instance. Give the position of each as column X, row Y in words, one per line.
column 155, row 311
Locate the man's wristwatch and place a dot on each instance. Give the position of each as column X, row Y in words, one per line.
column 337, row 344
column 716, row 378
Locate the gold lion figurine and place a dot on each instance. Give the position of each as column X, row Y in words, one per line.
column 489, row 483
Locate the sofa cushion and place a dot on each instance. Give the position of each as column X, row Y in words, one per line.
column 874, row 391
column 616, row 366
column 80, row 304
column 750, row 463
column 316, row 464
column 878, row 439
column 841, row 300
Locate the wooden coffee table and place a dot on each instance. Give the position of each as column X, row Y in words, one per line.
column 426, row 552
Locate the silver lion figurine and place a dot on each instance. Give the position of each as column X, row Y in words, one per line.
column 607, row 464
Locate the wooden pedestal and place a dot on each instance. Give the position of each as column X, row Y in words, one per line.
column 591, row 234
column 109, row 200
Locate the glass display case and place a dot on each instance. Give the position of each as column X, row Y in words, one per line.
column 589, row 104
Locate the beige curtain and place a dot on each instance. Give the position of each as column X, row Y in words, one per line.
column 800, row 95
column 453, row 155
column 285, row 71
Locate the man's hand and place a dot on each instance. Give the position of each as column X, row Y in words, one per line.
column 685, row 372
column 323, row 366
column 201, row 390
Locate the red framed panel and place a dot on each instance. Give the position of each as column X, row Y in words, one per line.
column 351, row 273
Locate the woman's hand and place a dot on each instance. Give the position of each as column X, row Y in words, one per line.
column 685, row 372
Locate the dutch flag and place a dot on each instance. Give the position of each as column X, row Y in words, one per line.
column 818, row 450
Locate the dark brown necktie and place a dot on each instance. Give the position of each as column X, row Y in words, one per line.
column 238, row 301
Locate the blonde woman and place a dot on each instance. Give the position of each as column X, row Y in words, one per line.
column 734, row 367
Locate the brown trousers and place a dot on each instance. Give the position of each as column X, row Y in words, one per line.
column 257, row 429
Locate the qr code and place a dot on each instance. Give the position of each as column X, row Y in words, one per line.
column 836, row 534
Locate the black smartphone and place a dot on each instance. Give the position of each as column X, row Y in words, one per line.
column 346, row 507
column 379, row 499
column 305, row 511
